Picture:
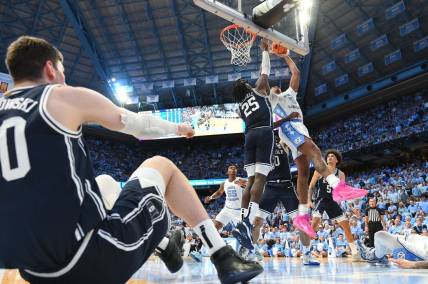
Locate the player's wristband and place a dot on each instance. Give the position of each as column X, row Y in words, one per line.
column 265, row 63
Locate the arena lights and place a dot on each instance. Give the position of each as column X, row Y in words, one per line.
column 122, row 92
column 305, row 12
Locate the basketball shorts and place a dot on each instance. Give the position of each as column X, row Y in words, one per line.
column 293, row 133
column 331, row 208
column 229, row 215
column 258, row 149
column 274, row 192
column 114, row 251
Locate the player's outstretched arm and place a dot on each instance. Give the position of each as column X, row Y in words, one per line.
column 74, row 106
column 215, row 195
column 295, row 72
column 262, row 84
column 403, row 263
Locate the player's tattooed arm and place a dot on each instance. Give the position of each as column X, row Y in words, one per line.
column 291, row 116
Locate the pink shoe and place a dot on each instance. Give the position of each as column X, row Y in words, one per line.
column 302, row 222
column 343, row 192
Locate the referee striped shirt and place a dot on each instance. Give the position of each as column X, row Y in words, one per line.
column 374, row 214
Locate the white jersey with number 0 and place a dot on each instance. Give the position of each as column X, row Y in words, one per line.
column 233, row 194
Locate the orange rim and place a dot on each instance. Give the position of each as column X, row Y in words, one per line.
column 239, row 45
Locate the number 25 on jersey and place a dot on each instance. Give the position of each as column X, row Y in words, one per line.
column 250, row 106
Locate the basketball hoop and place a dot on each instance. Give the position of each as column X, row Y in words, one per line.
column 239, row 42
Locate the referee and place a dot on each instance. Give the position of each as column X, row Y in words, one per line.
column 374, row 220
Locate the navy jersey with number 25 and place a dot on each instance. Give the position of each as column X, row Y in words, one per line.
column 256, row 111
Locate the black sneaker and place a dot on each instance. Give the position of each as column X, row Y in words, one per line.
column 245, row 228
column 171, row 256
column 231, row 268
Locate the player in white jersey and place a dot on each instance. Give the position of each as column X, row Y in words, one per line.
column 233, row 187
column 295, row 134
column 408, row 251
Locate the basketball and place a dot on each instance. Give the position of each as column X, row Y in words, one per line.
column 279, row 49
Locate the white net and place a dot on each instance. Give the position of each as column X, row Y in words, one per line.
column 239, row 42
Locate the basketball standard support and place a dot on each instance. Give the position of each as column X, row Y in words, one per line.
column 236, row 17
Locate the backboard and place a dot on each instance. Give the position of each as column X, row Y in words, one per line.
column 291, row 31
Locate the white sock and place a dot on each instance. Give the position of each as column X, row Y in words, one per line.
column 163, row 244
column 303, row 209
column 244, row 213
column 306, row 249
column 332, row 180
column 209, row 236
column 253, row 208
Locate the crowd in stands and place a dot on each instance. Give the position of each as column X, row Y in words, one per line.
column 401, row 190
column 398, row 118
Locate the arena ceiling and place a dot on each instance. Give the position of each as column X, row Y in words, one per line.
column 156, row 47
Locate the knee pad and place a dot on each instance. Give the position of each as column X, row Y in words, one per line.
column 110, row 190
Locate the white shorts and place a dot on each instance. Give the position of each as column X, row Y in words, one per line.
column 228, row 215
column 293, row 133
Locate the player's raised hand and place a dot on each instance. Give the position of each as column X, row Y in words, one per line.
column 264, row 44
column 185, row 130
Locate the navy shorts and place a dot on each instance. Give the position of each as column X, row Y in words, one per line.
column 259, row 143
column 330, row 207
column 119, row 247
column 274, row 192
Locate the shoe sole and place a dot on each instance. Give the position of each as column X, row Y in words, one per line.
column 177, row 244
column 241, row 277
column 311, row 264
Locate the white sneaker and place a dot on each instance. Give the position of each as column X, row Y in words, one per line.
column 309, row 260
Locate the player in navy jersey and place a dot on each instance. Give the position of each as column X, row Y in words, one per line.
column 256, row 112
column 280, row 188
column 57, row 229
column 321, row 194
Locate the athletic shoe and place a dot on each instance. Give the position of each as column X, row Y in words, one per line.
column 365, row 252
column 255, row 256
column 231, row 268
column 303, row 223
column 196, row 255
column 245, row 229
column 171, row 256
column 309, row 260
column 343, row 192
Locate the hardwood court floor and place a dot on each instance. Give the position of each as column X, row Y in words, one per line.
column 277, row 270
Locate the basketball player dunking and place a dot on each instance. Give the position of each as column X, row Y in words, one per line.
column 256, row 112
column 232, row 186
column 295, row 134
column 56, row 228
column 323, row 199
